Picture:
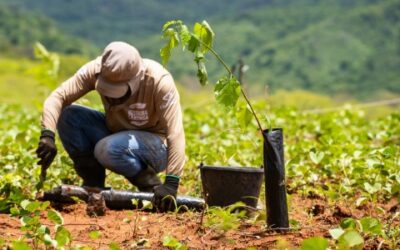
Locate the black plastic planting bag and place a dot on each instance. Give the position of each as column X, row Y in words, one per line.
column 114, row 199
column 275, row 186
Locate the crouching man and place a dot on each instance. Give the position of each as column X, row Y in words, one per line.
column 139, row 135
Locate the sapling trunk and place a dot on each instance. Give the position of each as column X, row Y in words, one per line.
column 241, row 89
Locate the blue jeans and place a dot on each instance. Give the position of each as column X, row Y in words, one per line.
column 83, row 132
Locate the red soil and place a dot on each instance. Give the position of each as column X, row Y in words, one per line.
column 144, row 230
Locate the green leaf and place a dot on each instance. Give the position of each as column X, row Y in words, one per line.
column 184, row 35
column 316, row 157
column 348, row 223
column 33, row 206
column 25, row 220
column 371, row 225
column 315, row 243
column 390, row 151
column 170, row 23
column 113, row 246
column 94, row 234
column 351, row 239
column 372, row 162
column 44, row 205
column 372, row 189
column 147, row 205
column 24, row 204
column 85, row 248
column 135, row 202
column 244, row 116
column 55, row 217
column 360, row 201
column 208, row 39
column 14, row 211
column 202, row 73
column 205, row 34
column 63, row 236
column 165, row 54
column 294, row 223
column 77, row 199
column 126, row 220
column 193, row 44
column 199, row 56
column 42, row 230
column 336, row 233
column 170, row 241
column 49, row 241
column 20, row 245
column 227, row 91
column 40, row 51
column 395, row 189
column 171, row 37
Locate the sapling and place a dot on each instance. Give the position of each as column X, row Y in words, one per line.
column 199, row 42
column 227, row 90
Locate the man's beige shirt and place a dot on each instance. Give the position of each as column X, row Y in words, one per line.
column 153, row 107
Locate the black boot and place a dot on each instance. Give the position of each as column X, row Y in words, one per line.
column 90, row 170
column 145, row 180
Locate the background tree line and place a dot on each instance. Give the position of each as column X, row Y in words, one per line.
column 349, row 47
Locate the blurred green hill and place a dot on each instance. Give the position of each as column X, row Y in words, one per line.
column 20, row 29
column 348, row 47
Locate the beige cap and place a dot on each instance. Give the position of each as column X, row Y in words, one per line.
column 121, row 67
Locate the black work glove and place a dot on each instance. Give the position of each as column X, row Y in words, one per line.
column 165, row 194
column 47, row 149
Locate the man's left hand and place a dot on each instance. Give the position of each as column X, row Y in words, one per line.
column 165, row 194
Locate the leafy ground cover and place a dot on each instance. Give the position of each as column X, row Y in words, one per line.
column 343, row 180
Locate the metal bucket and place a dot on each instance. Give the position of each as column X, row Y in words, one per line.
column 223, row 186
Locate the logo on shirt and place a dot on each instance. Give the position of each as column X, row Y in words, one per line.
column 169, row 100
column 137, row 114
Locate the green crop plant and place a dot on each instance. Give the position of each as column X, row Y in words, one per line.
column 352, row 232
column 353, row 156
column 315, row 243
column 224, row 219
column 35, row 231
column 49, row 68
column 173, row 243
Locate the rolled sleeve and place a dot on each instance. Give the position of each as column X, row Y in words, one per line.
column 68, row 92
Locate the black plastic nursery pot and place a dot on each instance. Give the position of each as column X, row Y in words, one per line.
column 224, row 186
column 275, row 184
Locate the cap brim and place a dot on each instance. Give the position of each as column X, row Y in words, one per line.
column 113, row 90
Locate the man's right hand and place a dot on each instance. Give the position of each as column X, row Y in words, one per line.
column 47, row 149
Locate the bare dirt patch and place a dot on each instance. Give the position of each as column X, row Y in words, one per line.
column 138, row 229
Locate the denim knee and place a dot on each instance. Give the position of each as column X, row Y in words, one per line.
column 117, row 158
column 102, row 152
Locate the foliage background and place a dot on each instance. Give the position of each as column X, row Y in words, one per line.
column 347, row 48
